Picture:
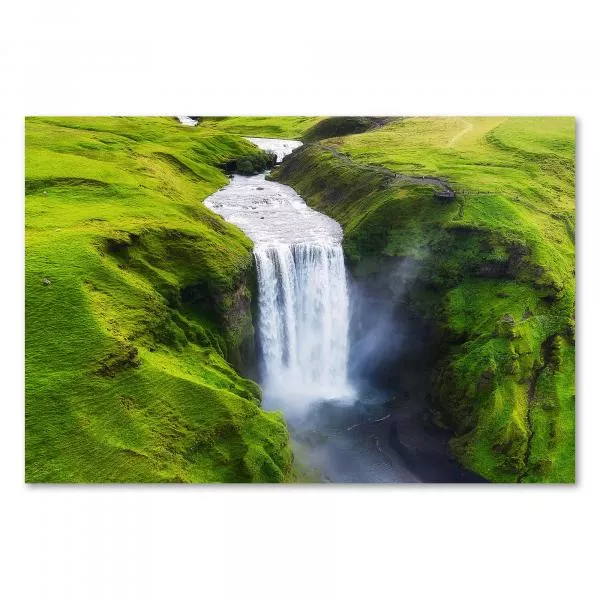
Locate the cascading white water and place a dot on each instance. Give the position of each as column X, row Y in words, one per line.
column 303, row 297
column 303, row 304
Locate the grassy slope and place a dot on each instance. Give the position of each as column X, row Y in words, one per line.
column 291, row 128
column 497, row 269
column 127, row 377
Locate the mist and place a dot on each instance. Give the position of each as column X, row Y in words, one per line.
column 381, row 329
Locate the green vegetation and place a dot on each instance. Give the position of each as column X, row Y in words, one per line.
column 337, row 126
column 138, row 298
column 291, row 128
column 252, row 165
column 496, row 269
column 137, row 306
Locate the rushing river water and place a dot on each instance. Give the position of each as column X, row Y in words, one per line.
column 188, row 121
column 303, row 296
column 303, row 330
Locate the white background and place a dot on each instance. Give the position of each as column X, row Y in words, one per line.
column 174, row 542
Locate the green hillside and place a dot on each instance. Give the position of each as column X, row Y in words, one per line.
column 495, row 268
column 138, row 308
column 291, row 128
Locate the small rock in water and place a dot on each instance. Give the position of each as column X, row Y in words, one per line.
column 46, row 281
column 260, row 188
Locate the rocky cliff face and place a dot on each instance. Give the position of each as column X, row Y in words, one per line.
column 238, row 320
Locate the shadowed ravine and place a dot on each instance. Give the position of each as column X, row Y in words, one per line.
column 342, row 431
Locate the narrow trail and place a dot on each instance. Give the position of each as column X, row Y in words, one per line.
column 445, row 190
column 468, row 127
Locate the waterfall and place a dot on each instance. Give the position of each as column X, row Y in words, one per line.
column 302, row 295
column 303, row 321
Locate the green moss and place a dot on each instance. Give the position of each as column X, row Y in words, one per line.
column 137, row 302
column 338, row 126
column 291, row 128
column 495, row 268
column 553, row 418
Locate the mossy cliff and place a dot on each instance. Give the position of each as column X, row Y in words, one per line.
column 483, row 208
column 138, row 308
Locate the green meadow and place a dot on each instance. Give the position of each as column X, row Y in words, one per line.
column 290, row 128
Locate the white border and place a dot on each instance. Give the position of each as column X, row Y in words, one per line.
column 297, row 58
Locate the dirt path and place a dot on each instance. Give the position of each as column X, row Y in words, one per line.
column 468, row 127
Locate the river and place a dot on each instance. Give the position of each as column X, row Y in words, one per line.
column 341, row 432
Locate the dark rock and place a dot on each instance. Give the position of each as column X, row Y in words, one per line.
column 445, row 195
column 494, row 269
column 485, row 381
column 517, row 256
column 125, row 357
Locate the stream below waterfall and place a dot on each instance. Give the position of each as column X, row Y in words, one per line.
column 340, row 432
